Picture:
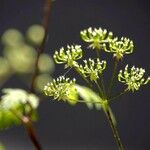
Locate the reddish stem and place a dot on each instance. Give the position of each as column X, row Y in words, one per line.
column 45, row 23
column 31, row 132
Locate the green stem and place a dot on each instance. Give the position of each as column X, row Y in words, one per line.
column 97, row 53
column 112, row 78
column 118, row 95
column 101, row 93
column 87, row 81
column 103, row 85
column 83, row 101
column 113, row 127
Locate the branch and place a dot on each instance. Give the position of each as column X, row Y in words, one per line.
column 31, row 132
column 26, row 120
column 29, row 127
column 45, row 23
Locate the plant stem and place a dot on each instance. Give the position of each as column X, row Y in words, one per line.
column 87, row 81
column 29, row 127
column 97, row 53
column 113, row 127
column 27, row 122
column 112, row 78
column 103, row 85
column 31, row 132
column 118, row 95
column 45, row 23
column 101, row 92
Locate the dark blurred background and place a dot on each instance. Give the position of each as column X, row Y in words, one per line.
column 64, row 127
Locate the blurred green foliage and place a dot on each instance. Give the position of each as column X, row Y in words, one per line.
column 5, row 69
column 35, row 34
column 12, row 37
column 2, row 146
column 19, row 56
column 16, row 101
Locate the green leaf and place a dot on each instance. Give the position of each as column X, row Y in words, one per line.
column 14, row 98
column 18, row 101
column 8, row 119
column 90, row 97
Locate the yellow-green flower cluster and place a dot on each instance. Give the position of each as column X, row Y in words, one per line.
column 133, row 78
column 92, row 68
column 68, row 55
column 61, row 89
column 96, row 37
column 120, row 47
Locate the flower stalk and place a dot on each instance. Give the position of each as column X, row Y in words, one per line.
column 112, row 78
column 115, row 132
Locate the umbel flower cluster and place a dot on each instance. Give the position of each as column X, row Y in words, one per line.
column 62, row 89
column 68, row 56
column 97, row 38
column 133, row 78
column 91, row 70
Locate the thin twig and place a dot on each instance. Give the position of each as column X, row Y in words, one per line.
column 45, row 23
